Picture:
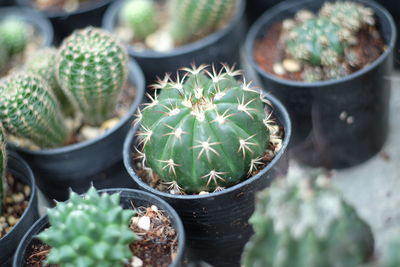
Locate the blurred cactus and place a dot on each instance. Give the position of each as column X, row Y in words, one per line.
column 29, row 109
column 140, row 16
column 3, row 56
column 391, row 255
column 14, row 33
column 3, row 161
column 91, row 70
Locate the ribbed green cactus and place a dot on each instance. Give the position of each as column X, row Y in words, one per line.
column 140, row 16
column 43, row 63
column 302, row 221
column 29, row 109
column 91, row 70
column 14, row 33
column 205, row 130
column 89, row 231
column 192, row 19
column 3, row 161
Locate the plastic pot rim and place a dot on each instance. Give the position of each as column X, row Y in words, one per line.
column 269, row 15
column 277, row 108
column 108, row 24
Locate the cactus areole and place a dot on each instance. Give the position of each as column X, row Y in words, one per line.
column 203, row 131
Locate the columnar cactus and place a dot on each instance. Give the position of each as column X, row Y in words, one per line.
column 140, row 16
column 43, row 63
column 29, row 109
column 203, row 131
column 194, row 18
column 89, row 231
column 91, row 70
column 302, row 221
column 3, row 161
column 14, row 33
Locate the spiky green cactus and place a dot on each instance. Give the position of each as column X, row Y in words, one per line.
column 3, row 161
column 14, row 33
column 43, row 63
column 91, row 70
column 192, row 19
column 203, row 131
column 302, row 221
column 92, row 230
column 29, row 109
column 140, row 16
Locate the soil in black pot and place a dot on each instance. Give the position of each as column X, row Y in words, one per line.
column 157, row 246
column 66, row 5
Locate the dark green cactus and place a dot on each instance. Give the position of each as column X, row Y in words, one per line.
column 14, row 33
column 140, row 16
column 91, row 70
column 89, row 231
column 302, row 221
column 192, row 19
column 204, row 131
column 29, row 109
column 3, row 161
column 43, row 63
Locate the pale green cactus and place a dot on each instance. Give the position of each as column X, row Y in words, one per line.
column 29, row 109
column 90, row 230
column 140, row 16
column 14, row 33
column 92, row 69
column 3, row 162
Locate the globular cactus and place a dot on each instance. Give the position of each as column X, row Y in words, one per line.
column 140, row 16
column 3, row 162
column 192, row 19
column 203, row 131
column 29, row 109
column 302, row 221
column 91, row 70
column 14, row 33
column 89, row 231
column 43, row 63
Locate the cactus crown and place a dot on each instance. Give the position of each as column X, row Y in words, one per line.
column 203, row 131
column 14, row 33
column 88, row 230
column 302, row 221
column 91, row 70
column 29, row 109
column 3, row 161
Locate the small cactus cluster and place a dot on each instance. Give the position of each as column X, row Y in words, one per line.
column 89, row 230
column 323, row 42
column 303, row 221
column 3, row 161
column 204, row 131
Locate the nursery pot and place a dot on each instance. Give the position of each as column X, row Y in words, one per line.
column 97, row 161
column 89, row 13
column 216, row 224
column 337, row 123
column 128, row 196
column 221, row 46
column 8, row 243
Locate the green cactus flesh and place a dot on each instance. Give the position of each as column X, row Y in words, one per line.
column 3, row 159
column 203, row 131
column 43, row 63
column 301, row 221
column 29, row 109
column 140, row 16
column 14, row 33
column 91, row 70
column 195, row 18
column 89, row 231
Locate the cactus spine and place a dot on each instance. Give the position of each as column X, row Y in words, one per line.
column 302, row 221
column 89, row 231
column 14, row 33
column 29, row 109
column 91, row 70
column 203, row 131
column 3, row 161
column 195, row 18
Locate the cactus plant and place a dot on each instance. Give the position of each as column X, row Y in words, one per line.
column 29, row 109
column 391, row 257
column 91, row 70
column 43, row 63
column 14, row 33
column 92, row 230
column 203, row 131
column 140, row 16
column 303, row 221
column 194, row 18
column 3, row 159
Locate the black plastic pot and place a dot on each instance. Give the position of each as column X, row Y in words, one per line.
column 89, row 13
column 8, row 243
column 217, row 223
column 128, row 196
column 221, row 46
column 337, row 123
column 97, row 161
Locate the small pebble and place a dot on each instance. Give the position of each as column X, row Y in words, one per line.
column 203, row 193
column 18, row 198
column 291, row 65
column 350, row 120
column 343, row 115
column 27, row 190
column 278, row 69
column 8, row 200
column 154, row 208
column 108, row 124
column 136, row 262
column 12, row 220
column 160, row 41
column 144, row 223
column 89, row 132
